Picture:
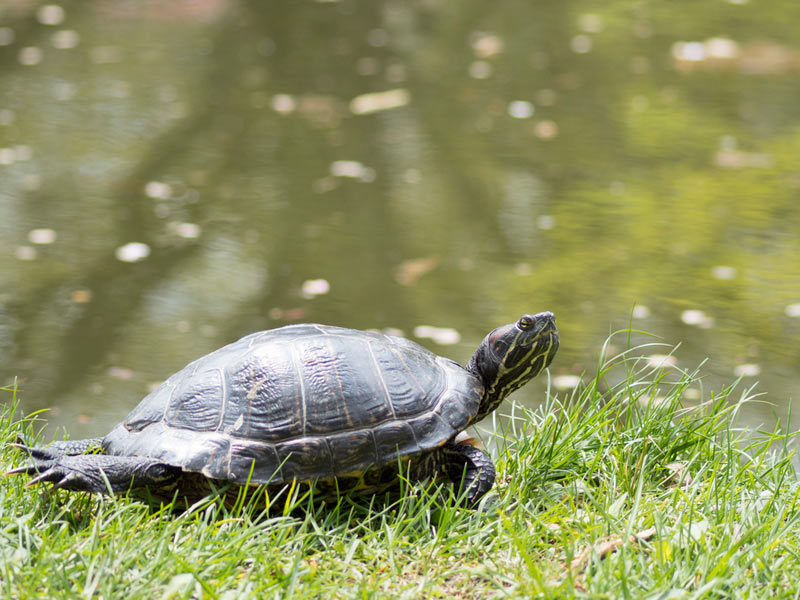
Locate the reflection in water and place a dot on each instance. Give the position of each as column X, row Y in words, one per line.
column 173, row 178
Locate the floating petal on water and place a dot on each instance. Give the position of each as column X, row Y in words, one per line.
column 581, row 44
column 723, row 272
column 485, row 44
column 661, row 361
column 50, row 14
column 480, row 69
column 692, row 394
column 7, row 156
column 189, row 231
column 697, row 317
column 737, row 159
column 378, row 101
column 747, row 370
column 352, row 168
column 133, row 252
column 42, row 236
column 546, row 130
column 408, row 272
column 566, row 382
column 6, row 36
column 523, row 269
column 444, row 336
column 689, row 51
column 283, row 104
column 393, row 331
column 545, row 222
column 25, row 253
column 81, row 296
column 123, row 373
column 591, row 23
column 721, row 48
column 521, row 109
column 65, row 39
column 158, row 190
column 30, row 55
column 315, row 287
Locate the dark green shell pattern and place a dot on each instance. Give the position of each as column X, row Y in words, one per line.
column 301, row 402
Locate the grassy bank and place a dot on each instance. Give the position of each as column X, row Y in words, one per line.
column 618, row 490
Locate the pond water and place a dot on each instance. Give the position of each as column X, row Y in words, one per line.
column 175, row 175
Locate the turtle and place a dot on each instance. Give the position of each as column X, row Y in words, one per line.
column 338, row 410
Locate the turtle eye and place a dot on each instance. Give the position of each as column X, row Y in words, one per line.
column 525, row 323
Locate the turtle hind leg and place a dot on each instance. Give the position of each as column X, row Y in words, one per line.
column 60, row 448
column 99, row 473
column 470, row 469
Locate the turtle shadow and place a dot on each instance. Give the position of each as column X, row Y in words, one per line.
column 303, row 502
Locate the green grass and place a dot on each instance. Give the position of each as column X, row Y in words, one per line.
column 617, row 490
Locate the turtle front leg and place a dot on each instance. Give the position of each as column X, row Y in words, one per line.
column 98, row 472
column 60, row 448
column 470, row 469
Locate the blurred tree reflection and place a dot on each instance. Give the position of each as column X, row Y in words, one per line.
column 552, row 155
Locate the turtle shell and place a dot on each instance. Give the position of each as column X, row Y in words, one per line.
column 301, row 402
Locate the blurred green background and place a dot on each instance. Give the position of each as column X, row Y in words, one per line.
column 174, row 175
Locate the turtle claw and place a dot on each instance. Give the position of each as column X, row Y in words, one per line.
column 98, row 473
column 49, row 475
column 45, row 465
column 27, row 469
column 61, row 476
column 39, row 459
column 34, row 452
column 58, row 478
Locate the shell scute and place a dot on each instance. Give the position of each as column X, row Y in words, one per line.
column 395, row 439
column 413, row 380
column 263, row 400
column 209, row 454
column 340, row 393
column 255, row 462
column 431, row 430
column 300, row 457
column 197, row 407
column 352, row 451
column 151, row 409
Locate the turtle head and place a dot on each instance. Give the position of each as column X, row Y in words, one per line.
column 512, row 355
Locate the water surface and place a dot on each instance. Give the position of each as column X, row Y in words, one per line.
column 176, row 175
